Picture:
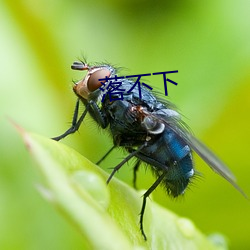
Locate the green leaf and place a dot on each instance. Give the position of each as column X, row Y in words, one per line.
column 107, row 215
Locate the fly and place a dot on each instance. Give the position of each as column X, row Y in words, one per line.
column 150, row 129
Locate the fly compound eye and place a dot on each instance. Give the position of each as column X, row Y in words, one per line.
column 93, row 81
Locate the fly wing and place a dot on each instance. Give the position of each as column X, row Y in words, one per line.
column 207, row 155
column 172, row 120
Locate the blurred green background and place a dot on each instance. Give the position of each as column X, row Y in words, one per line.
column 208, row 42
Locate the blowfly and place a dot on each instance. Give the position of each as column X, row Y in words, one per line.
column 149, row 128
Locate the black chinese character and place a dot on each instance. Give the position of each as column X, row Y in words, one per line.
column 166, row 79
column 137, row 82
column 112, row 87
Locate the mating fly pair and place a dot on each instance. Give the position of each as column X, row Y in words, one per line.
column 150, row 129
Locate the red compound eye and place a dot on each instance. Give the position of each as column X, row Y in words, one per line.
column 93, row 81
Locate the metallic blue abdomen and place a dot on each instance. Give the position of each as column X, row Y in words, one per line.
column 168, row 153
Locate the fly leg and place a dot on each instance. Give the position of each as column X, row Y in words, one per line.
column 90, row 107
column 75, row 124
column 145, row 196
column 136, row 167
column 125, row 160
column 105, row 155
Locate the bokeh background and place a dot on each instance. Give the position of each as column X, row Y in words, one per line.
column 208, row 42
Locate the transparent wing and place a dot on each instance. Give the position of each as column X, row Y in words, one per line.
column 207, row 155
column 174, row 123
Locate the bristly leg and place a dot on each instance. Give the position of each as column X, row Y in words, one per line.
column 104, row 157
column 75, row 124
column 135, row 169
column 125, row 160
column 145, row 196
